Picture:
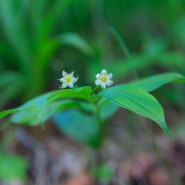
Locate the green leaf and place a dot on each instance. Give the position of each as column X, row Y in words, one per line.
column 82, row 93
column 39, row 109
column 76, row 41
column 138, row 101
column 154, row 82
column 11, row 85
column 7, row 112
column 107, row 108
column 52, row 15
column 38, row 102
column 39, row 116
column 79, row 126
column 12, row 168
column 9, row 77
column 13, row 24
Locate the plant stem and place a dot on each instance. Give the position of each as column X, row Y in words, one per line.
column 95, row 89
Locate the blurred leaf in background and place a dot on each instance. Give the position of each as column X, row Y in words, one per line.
column 102, row 173
column 82, row 127
column 40, row 38
column 12, row 167
column 29, row 41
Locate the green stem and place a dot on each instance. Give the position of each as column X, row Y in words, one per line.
column 93, row 91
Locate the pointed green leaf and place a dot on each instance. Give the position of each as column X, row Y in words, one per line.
column 82, row 93
column 39, row 116
column 39, row 109
column 151, row 83
column 138, row 101
column 7, row 112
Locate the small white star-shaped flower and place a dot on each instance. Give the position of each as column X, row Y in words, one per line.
column 104, row 79
column 67, row 79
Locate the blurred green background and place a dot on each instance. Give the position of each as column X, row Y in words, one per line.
column 130, row 38
column 39, row 39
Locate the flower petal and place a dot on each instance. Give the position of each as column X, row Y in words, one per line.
column 73, row 80
column 64, row 85
column 98, row 76
column 61, row 79
column 64, row 74
column 70, row 85
column 103, row 72
column 109, row 76
column 71, row 74
column 103, row 85
column 98, row 82
column 109, row 82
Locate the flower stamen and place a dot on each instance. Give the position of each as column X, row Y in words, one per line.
column 67, row 79
column 103, row 78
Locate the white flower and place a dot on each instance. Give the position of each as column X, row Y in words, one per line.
column 104, row 79
column 67, row 79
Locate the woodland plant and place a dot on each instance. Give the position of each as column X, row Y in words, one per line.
column 33, row 31
column 81, row 112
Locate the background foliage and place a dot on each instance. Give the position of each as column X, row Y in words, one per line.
column 38, row 39
column 131, row 39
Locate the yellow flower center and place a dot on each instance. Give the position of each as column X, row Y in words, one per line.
column 68, row 79
column 103, row 78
